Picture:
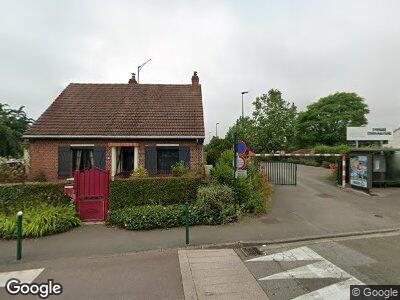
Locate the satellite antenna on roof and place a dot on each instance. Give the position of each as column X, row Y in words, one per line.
column 140, row 67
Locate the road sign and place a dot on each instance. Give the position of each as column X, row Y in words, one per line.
column 241, row 147
column 240, row 162
column 241, row 173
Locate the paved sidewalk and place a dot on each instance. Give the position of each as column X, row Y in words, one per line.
column 217, row 274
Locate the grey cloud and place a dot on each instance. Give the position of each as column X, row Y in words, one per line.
column 307, row 49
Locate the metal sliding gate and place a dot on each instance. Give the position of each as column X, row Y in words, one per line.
column 281, row 173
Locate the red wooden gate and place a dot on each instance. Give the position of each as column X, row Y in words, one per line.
column 91, row 194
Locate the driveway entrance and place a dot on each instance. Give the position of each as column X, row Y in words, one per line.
column 281, row 173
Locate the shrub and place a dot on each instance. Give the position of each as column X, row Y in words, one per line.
column 11, row 172
column 147, row 217
column 22, row 196
column 140, row 172
column 324, row 149
column 40, row 177
column 254, row 194
column 223, row 170
column 212, row 200
column 153, row 191
column 266, row 190
column 215, row 205
column 41, row 220
column 178, row 169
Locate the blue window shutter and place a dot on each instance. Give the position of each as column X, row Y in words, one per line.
column 99, row 155
column 151, row 160
column 184, row 155
column 64, row 162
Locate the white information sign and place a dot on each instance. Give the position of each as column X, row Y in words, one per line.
column 369, row 134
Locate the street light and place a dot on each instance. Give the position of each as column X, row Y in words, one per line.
column 216, row 129
column 242, row 103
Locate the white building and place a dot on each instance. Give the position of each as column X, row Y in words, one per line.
column 395, row 141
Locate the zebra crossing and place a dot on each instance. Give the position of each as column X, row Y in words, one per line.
column 316, row 267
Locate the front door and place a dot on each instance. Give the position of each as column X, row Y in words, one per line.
column 92, row 190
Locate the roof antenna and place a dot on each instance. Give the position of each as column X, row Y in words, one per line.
column 140, row 67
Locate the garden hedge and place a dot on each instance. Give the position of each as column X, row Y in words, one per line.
column 18, row 196
column 153, row 191
column 46, row 209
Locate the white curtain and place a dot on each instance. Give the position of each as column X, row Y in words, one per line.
column 119, row 160
column 91, row 157
column 78, row 159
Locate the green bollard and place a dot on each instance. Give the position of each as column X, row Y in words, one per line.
column 19, row 235
column 187, row 222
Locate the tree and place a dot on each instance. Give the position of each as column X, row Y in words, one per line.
column 13, row 124
column 244, row 129
column 325, row 121
column 274, row 120
column 214, row 149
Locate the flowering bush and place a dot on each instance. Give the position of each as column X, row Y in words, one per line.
column 140, row 172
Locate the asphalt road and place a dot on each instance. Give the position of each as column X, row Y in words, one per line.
column 322, row 268
column 372, row 259
column 146, row 275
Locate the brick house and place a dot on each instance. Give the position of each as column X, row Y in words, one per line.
column 118, row 127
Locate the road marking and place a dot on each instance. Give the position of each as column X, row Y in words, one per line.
column 26, row 276
column 340, row 290
column 302, row 253
column 322, row 268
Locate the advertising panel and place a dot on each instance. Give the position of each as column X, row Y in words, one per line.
column 359, row 171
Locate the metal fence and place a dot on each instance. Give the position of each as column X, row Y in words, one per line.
column 281, row 173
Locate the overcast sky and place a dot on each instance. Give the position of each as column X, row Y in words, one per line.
column 306, row 49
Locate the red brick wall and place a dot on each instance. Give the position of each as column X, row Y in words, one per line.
column 44, row 153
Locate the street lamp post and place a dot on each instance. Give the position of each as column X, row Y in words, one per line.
column 242, row 103
column 216, row 129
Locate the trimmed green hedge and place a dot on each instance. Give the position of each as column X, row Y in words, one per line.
column 215, row 205
column 157, row 216
column 15, row 197
column 153, row 191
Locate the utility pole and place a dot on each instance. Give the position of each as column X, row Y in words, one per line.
column 140, row 67
column 216, row 129
column 242, row 103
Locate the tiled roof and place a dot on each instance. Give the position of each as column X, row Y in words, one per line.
column 123, row 110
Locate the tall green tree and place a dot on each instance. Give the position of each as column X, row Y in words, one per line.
column 325, row 121
column 244, row 129
column 274, row 119
column 214, row 149
column 13, row 124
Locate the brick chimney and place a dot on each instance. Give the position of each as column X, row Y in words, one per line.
column 195, row 81
column 133, row 79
